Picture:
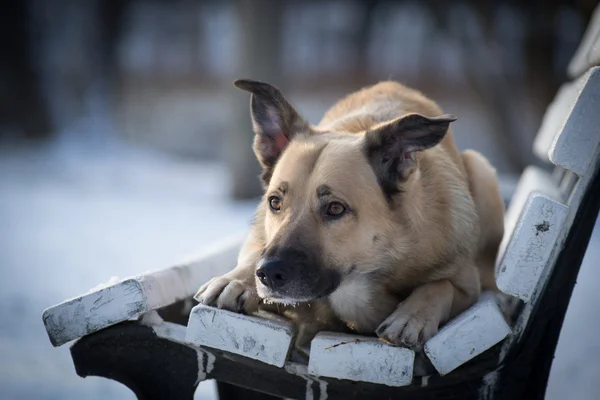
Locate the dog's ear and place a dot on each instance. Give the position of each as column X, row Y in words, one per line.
column 391, row 147
column 274, row 120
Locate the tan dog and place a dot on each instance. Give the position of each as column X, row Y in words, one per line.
column 371, row 221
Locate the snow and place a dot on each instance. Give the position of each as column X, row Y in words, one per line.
column 78, row 211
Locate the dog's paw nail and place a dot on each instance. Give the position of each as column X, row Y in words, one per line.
column 381, row 328
column 240, row 303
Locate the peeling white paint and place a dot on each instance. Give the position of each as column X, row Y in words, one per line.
column 466, row 336
column 201, row 371
column 204, row 358
column 534, row 227
column 488, row 385
column 266, row 340
column 302, row 371
column 176, row 333
column 360, row 358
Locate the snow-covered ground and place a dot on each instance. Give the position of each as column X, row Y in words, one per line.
column 87, row 207
column 76, row 212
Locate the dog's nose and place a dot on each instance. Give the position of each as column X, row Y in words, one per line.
column 272, row 273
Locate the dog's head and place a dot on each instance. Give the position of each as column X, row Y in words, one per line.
column 329, row 196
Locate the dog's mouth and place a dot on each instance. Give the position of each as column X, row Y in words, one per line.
column 286, row 301
column 296, row 295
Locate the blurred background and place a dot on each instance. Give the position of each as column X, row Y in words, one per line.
column 124, row 146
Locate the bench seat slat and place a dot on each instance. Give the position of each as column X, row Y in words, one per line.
column 532, row 180
column 568, row 135
column 360, row 358
column 536, row 239
column 266, row 340
column 134, row 296
column 533, row 229
column 469, row 334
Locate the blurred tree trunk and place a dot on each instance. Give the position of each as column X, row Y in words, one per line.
column 22, row 105
column 484, row 70
column 109, row 25
column 542, row 79
column 259, row 58
column 111, row 21
column 363, row 39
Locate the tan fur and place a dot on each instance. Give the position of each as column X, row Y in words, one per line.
column 406, row 266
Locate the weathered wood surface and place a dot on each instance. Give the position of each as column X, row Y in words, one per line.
column 533, row 232
column 360, row 358
column 266, row 340
column 468, row 335
column 532, row 247
column 533, row 179
column 351, row 357
column 131, row 297
column 588, row 52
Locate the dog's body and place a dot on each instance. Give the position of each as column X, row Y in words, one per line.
column 371, row 221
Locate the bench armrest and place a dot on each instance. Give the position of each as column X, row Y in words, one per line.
column 134, row 296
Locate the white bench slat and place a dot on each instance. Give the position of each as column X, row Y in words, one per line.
column 569, row 134
column 533, row 230
column 533, row 179
column 536, row 238
column 134, row 296
column 360, row 358
column 588, row 52
column 266, row 340
column 469, row 334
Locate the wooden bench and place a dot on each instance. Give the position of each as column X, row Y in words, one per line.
column 143, row 332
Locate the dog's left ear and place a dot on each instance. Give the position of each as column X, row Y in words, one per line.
column 391, row 147
column 274, row 120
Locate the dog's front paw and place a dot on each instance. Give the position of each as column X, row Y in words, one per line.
column 228, row 293
column 408, row 329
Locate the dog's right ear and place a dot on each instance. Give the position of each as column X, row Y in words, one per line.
column 391, row 147
column 274, row 121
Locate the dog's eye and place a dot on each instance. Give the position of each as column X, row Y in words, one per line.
column 275, row 203
column 335, row 209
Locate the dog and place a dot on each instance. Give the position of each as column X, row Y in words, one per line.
column 371, row 221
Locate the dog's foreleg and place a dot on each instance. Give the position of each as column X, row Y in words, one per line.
column 418, row 318
column 236, row 290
